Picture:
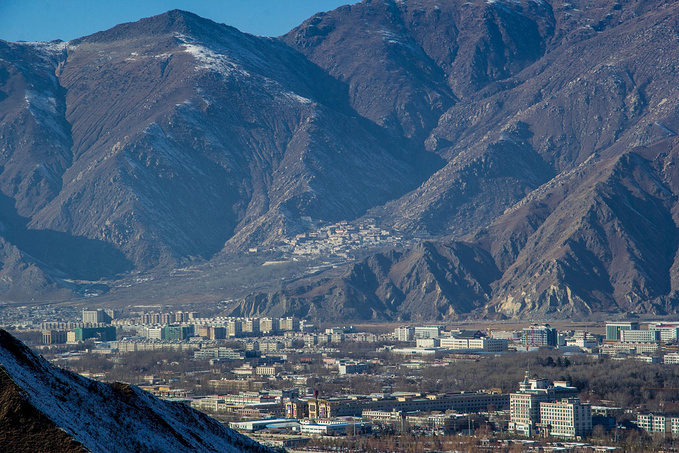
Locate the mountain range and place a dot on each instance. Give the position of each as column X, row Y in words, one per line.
column 525, row 149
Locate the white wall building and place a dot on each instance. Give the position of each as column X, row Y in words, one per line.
column 639, row 336
column 568, row 418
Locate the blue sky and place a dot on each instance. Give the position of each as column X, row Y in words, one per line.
column 46, row 20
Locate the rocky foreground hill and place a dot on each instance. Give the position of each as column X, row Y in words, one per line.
column 531, row 142
column 43, row 408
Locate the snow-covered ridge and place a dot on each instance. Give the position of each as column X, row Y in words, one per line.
column 223, row 64
column 48, row 47
column 113, row 418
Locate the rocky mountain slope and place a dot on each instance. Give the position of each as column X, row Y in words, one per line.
column 43, row 408
column 529, row 142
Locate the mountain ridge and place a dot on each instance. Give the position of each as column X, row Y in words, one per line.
column 482, row 132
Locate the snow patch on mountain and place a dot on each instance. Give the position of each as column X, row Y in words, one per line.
column 45, row 109
column 209, row 59
column 51, row 47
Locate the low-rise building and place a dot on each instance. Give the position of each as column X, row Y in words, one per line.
column 355, row 405
column 334, row 427
column 352, row 367
column 268, row 370
column 258, row 425
column 615, row 348
column 427, row 342
column 297, row 408
column 474, row 344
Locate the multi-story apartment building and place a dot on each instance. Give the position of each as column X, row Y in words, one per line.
column 235, row 385
column 659, row 423
column 567, row 418
column 53, row 336
column 536, row 335
column 181, row 316
column 289, row 324
column 352, row 367
column 167, row 318
column 428, row 331
column 234, row 327
column 218, row 353
column 155, row 333
column 251, row 325
column 669, row 332
column 271, row 346
column 94, row 317
column 524, row 405
column 178, row 333
column 269, row 325
column 97, row 333
column 404, row 333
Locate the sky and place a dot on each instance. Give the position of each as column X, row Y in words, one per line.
column 47, row 20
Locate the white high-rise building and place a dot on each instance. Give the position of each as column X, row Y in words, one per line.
column 404, row 333
column 428, row 331
column 568, row 418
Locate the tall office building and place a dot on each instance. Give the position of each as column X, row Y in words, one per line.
column 613, row 329
column 94, row 317
column 567, row 418
column 524, row 405
column 404, row 333
column 537, row 335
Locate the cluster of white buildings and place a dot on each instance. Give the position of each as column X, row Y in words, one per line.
column 667, row 425
column 153, row 326
column 435, row 340
column 338, row 239
column 554, row 410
